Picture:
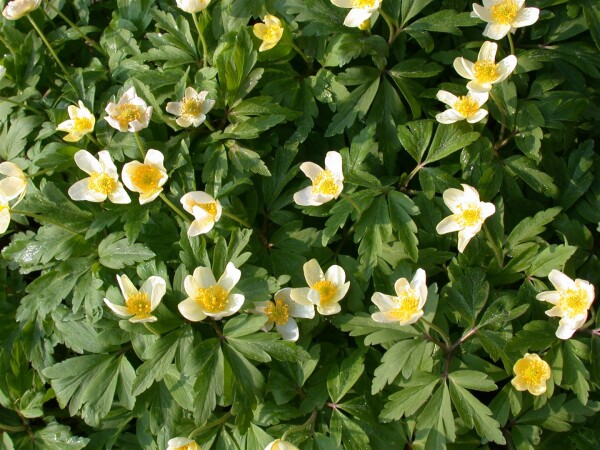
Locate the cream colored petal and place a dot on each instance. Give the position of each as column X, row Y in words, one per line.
column 356, row 16
column 333, row 163
column 11, row 170
column 230, row 277
column 476, row 86
column 191, row 310
column 289, row 330
column 155, row 158
column 128, row 96
column 260, row 307
column 86, row 162
column 204, row 277
column 454, row 199
column 464, row 68
column 329, row 310
column 556, row 311
column 155, row 287
column 384, row 317
column 198, row 120
column 4, row 220
column 12, row 187
column 448, row 117
column 207, row 104
column 81, row 191
column 506, row 67
column 482, row 13
column 448, row 225
column 478, row 116
column 147, row 197
column 300, row 295
column 526, row 17
column 126, row 286
column 305, row 197
column 174, row 108
column 537, row 390
column 115, row 123
column 193, row 198
column 200, row 226
column 401, row 286
column 487, row 210
column 479, row 97
column 301, row 310
column 117, row 309
column 119, row 195
column 464, row 237
column 343, row 3
column 488, row 52
column 414, row 318
column 496, row 31
column 446, row 97
column 129, row 169
column 336, row 275
column 142, row 319
column 311, row 170
column 549, row 296
column 178, row 442
column 312, row 272
column 191, row 286
column 107, row 163
column 560, row 281
column 383, row 302
column 234, row 303
column 519, row 383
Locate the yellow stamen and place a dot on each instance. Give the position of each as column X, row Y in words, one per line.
column 212, row 299
column 504, row 13
column 82, row 125
column 102, row 182
column 324, row 183
column 271, row 33
column 532, row 372
column 363, row 3
column 466, row 106
column 146, row 178
column 326, row 290
column 210, row 208
column 191, row 107
column 574, row 302
column 139, row 305
column 278, row 312
column 486, row 71
column 470, row 216
column 407, row 306
column 128, row 112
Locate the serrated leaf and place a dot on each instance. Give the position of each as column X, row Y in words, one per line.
column 115, row 252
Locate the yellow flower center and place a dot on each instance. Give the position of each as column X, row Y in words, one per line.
column 128, row 112
column 324, row 183
column 505, row 12
column 192, row 446
column 212, row 299
column 486, row 71
column 210, row 208
column 102, row 182
column 326, row 290
column 146, row 178
column 466, row 106
column 534, row 372
column 408, row 306
column 3, row 207
column 191, row 107
column 82, row 125
column 139, row 305
column 271, row 33
column 470, row 216
column 363, row 3
column 278, row 312
column 574, row 302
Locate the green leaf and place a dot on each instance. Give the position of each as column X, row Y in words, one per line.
column 449, row 139
column 575, row 374
column 475, row 414
column 206, row 364
column 437, row 417
column 526, row 170
column 473, row 379
column 395, row 360
column 115, row 252
column 591, row 11
column 401, row 208
column 13, row 139
column 552, row 257
column 415, row 393
column 415, row 137
column 246, row 160
column 530, row 227
column 341, row 379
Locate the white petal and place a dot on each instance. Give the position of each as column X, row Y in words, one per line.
column 4, row 220
column 311, row 170
column 488, row 52
column 115, row 123
column 12, row 187
column 336, row 275
column 476, row 86
column 155, row 158
column 560, row 281
column 464, row 236
column 448, row 117
column 383, row 317
column 119, row 195
column 341, row 292
column 126, row 286
column 234, row 303
column 11, row 170
column 142, row 319
column 356, row 16
column 329, row 310
column 464, row 68
column 86, row 162
column 419, row 281
column 230, row 277
column 487, row 210
column 333, row 163
column 448, row 225
column 189, row 200
column 179, row 442
column 414, row 318
column 496, row 31
column 564, row 331
column 343, row 3
column 301, row 310
column 446, row 97
column 305, row 197
column 191, row 310
column 454, row 199
column 191, row 286
column 479, row 97
column 107, row 163
column 147, row 197
column 552, row 297
column 300, row 295
column 479, row 115
column 81, row 191
column 117, row 309
column 200, row 226
column 312, row 272
column 204, row 277
column 383, row 302
column 526, row 17
column 289, row 330
column 155, row 287
column 174, row 108
column 506, row 67
column 481, row 12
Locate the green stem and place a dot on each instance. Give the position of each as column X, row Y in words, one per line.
column 54, row 55
column 154, row 332
column 208, row 125
column 94, row 140
column 202, row 40
column 209, row 425
column 7, row 45
column 412, row 174
column 302, row 55
column 390, row 25
column 302, row 427
column 140, row 144
column 237, row 219
column 171, row 205
column 439, row 331
column 497, row 250
column 352, row 202
column 511, row 43
column 40, row 172
column 11, row 429
column 428, row 336
column 43, row 219
column 22, row 105
column 87, row 40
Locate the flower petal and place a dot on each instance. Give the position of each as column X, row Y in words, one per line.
column 448, row 225
column 204, row 277
column 312, row 272
column 383, row 302
column 191, row 310
column 289, row 330
column 230, row 277
column 496, row 31
column 356, row 16
column 117, row 309
column 86, row 162
column 448, row 117
column 333, row 163
column 446, row 97
column 526, row 17
column 560, row 281
column 155, row 287
column 311, row 170
column 464, row 68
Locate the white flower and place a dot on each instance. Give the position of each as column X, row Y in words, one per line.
column 130, row 114
column 361, row 10
column 281, row 313
column 2, row 72
column 16, row 9
column 571, row 300
column 485, row 72
column 278, row 444
column 325, row 290
column 146, row 178
column 327, row 183
column 4, row 213
column 139, row 304
column 464, row 107
column 81, row 122
column 103, row 181
column 406, row 307
column 180, row 443
column 205, row 209
column 269, row 32
column 211, row 298
column 192, row 6
column 504, row 16
column 468, row 216
column 192, row 108
column 14, row 183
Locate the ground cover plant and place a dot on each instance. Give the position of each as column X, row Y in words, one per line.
column 299, row 224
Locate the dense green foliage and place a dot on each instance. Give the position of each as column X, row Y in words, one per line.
column 74, row 375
